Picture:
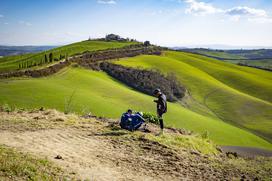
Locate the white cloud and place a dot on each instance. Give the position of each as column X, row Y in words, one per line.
column 251, row 14
column 246, row 11
column 1, row 16
column 235, row 13
column 106, row 2
column 200, row 8
column 25, row 23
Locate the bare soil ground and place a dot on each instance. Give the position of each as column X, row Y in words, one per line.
column 92, row 149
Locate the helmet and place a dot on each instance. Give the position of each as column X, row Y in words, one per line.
column 129, row 111
column 156, row 91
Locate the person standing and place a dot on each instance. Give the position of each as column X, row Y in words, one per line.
column 161, row 106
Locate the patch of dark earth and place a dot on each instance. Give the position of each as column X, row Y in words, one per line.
column 249, row 152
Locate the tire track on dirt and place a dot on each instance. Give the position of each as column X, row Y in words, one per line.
column 81, row 154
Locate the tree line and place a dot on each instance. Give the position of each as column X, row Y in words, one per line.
column 146, row 80
column 44, row 60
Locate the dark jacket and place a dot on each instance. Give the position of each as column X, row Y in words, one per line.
column 131, row 121
column 125, row 122
column 161, row 104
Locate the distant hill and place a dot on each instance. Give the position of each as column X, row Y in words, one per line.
column 252, row 54
column 18, row 50
column 15, row 62
column 258, row 58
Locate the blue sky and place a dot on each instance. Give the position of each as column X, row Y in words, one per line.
column 163, row 22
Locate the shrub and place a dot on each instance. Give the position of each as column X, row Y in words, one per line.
column 68, row 103
column 152, row 118
column 7, row 108
column 205, row 135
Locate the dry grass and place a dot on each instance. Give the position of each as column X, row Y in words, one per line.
column 15, row 165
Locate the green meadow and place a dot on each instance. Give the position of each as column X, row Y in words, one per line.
column 219, row 54
column 233, row 104
column 237, row 95
column 10, row 63
column 258, row 58
column 83, row 91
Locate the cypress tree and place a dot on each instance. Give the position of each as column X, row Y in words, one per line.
column 51, row 57
column 45, row 58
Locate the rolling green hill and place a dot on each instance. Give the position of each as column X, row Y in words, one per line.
column 263, row 63
column 96, row 92
column 261, row 58
column 231, row 102
column 11, row 63
column 238, row 95
column 221, row 54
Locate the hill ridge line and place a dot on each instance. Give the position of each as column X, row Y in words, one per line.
column 86, row 59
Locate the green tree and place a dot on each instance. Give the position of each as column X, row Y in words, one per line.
column 45, row 58
column 51, row 57
column 147, row 43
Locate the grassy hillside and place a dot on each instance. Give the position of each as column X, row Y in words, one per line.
column 267, row 63
column 96, row 92
column 215, row 53
column 260, row 58
column 10, row 63
column 233, row 54
column 238, row 95
column 263, row 63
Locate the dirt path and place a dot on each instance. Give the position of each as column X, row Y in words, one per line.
column 85, row 150
column 97, row 150
column 80, row 153
column 98, row 157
